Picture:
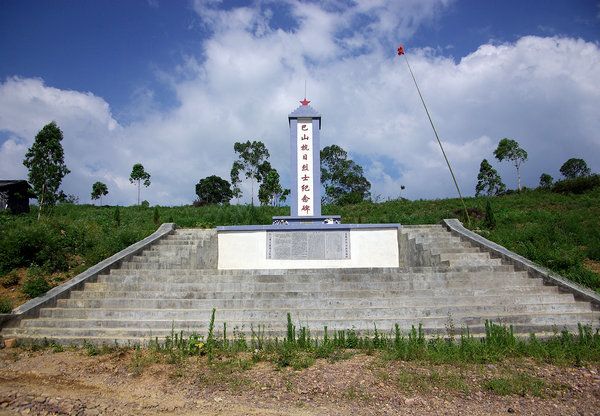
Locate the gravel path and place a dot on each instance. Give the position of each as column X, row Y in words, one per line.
column 73, row 383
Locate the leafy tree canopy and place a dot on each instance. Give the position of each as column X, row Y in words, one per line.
column 575, row 168
column 46, row 164
column 546, row 181
column 214, row 190
column 270, row 191
column 139, row 175
column 510, row 150
column 488, row 180
column 99, row 189
column 252, row 162
column 342, row 178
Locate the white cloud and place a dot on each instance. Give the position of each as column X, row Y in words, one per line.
column 11, row 152
column 543, row 92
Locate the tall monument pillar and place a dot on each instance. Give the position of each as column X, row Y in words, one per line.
column 305, row 125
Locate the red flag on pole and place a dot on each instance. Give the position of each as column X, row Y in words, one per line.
column 400, row 50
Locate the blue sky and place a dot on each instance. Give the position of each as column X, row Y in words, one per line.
column 173, row 84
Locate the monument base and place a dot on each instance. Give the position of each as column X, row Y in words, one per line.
column 311, row 245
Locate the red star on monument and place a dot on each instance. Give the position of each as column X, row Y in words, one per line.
column 305, row 101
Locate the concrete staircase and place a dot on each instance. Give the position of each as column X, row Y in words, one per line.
column 442, row 282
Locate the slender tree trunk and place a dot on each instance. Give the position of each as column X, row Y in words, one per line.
column 252, row 190
column 41, row 202
column 518, row 177
column 138, row 192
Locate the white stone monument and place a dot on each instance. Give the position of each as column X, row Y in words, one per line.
column 306, row 239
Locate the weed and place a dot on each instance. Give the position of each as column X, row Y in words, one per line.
column 5, row 305
column 141, row 359
column 90, row 348
column 289, row 385
column 210, row 339
column 56, row 347
column 520, row 384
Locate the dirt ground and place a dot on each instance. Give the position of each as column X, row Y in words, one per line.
column 129, row 383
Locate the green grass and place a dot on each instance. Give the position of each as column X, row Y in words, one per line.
column 555, row 230
column 300, row 350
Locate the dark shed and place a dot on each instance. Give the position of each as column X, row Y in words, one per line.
column 14, row 196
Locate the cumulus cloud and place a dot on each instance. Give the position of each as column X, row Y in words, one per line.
column 542, row 91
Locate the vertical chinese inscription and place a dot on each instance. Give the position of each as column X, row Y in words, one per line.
column 304, row 143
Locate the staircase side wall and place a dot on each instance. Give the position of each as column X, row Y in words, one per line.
column 521, row 263
column 413, row 254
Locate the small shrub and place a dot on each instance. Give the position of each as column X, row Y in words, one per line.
column 489, row 221
column 145, row 204
column 10, row 279
column 5, row 305
column 35, row 286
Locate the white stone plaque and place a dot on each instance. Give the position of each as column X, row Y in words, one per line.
column 308, row 245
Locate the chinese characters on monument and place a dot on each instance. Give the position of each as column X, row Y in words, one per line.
column 305, row 172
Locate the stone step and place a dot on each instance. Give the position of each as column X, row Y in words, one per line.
column 453, row 249
column 470, row 258
column 329, row 310
column 433, row 240
column 184, row 237
column 169, row 252
column 524, row 324
column 324, row 272
column 163, row 265
column 177, row 242
column 332, row 294
column 307, row 278
column 166, row 257
column 418, row 271
column 505, row 299
column 135, row 284
column 432, row 230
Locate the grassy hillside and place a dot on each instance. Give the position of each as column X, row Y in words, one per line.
column 561, row 232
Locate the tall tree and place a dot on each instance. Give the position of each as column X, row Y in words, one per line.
column 99, row 189
column 574, row 168
column 342, row 178
column 488, row 180
column 510, row 150
column 270, row 191
column 46, row 164
column 214, row 190
column 252, row 162
column 139, row 176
